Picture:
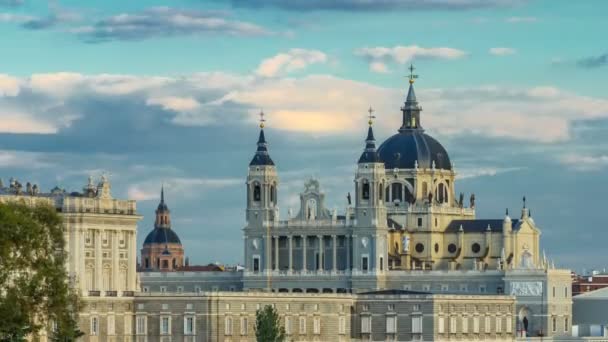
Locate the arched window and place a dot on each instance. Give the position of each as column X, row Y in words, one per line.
column 147, row 263
column 386, row 195
column 257, row 192
column 272, row 193
column 425, row 189
column 174, row 264
column 442, row 193
column 397, row 190
column 380, row 192
column 365, row 190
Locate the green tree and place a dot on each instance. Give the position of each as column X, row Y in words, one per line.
column 268, row 325
column 35, row 291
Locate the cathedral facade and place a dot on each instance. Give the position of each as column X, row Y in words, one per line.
column 405, row 228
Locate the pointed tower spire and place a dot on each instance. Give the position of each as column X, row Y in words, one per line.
column 411, row 110
column 163, row 214
column 261, row 157
column 370, row 155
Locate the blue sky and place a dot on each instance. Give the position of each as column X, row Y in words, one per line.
column 155, row 92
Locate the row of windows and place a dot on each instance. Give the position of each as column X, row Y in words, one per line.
column 565, row 291
column 257, row 192
column 391, row 324
column 475, row 247
column 141, row 325
column 465, row 322
column 289, row 322
column 482, row 288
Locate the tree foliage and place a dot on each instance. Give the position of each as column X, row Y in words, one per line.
column 35, row 291
column 268, row 325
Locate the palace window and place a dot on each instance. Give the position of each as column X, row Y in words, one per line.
column 302, row 325
column 417, row 325
column 189, row 322
column 140, row 325
column 272, row 193
column 245, row 326
column 366, row 324
column 453, row 325
column 391, row 324
column 165, row 325
column 342, row 325
column 228, row 326
column 317, row 325
column 94, row 326
column 465, row 325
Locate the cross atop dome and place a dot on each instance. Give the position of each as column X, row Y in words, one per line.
column 412, row 76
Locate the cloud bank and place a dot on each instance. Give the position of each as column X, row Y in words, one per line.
column 378, row 57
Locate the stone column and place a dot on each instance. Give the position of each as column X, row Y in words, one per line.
column 98, row 257
column 276, row 253
column 334, row 245
column 347, row 238
column 115, row 258
column 290, row 253
column 268, row 253
column 82, row 276
column 303, row 252
column 130, row 242
column 320, row 237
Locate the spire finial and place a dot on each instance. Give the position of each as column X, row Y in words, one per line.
column 371, row 115
column 262, row 120
column 162, row 193
column 524, row 199
column 507, row 212
column 412, row 76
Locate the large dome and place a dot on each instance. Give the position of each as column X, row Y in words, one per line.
column 162, row 236
column 403, row 149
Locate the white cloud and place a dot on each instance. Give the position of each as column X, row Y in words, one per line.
column 9, row 86
column 502, row 51
column 294, row 59
column 21, row 123
column 515, row 20
column 405, row 54
column 378, row 67
column 149, row 190
column 585, row 162
column 316, row 104
column 58, row 84
column 484, row 171
column 175, row 103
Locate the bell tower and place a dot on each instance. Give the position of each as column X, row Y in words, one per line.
column 370, row 231
column 262, row 206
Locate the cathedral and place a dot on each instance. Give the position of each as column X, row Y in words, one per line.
column 406, row 228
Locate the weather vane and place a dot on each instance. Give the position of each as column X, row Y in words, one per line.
column 262, row 120
column 371, row 115
column 411, row 76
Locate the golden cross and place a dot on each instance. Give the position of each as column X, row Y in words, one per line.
column 262, row 120
column 411, row 76
column 371, row 115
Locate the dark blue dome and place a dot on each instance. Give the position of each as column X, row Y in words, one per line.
column 402, row 150
column 162, row 235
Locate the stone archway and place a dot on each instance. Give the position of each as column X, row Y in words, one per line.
column 524, row 322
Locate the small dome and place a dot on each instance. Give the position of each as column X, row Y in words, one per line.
column 162, row 236
column 403, row 149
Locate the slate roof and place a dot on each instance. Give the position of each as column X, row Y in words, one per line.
column 480, row 225
column 261, row 156
column 162, row 236
column 403, row 149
